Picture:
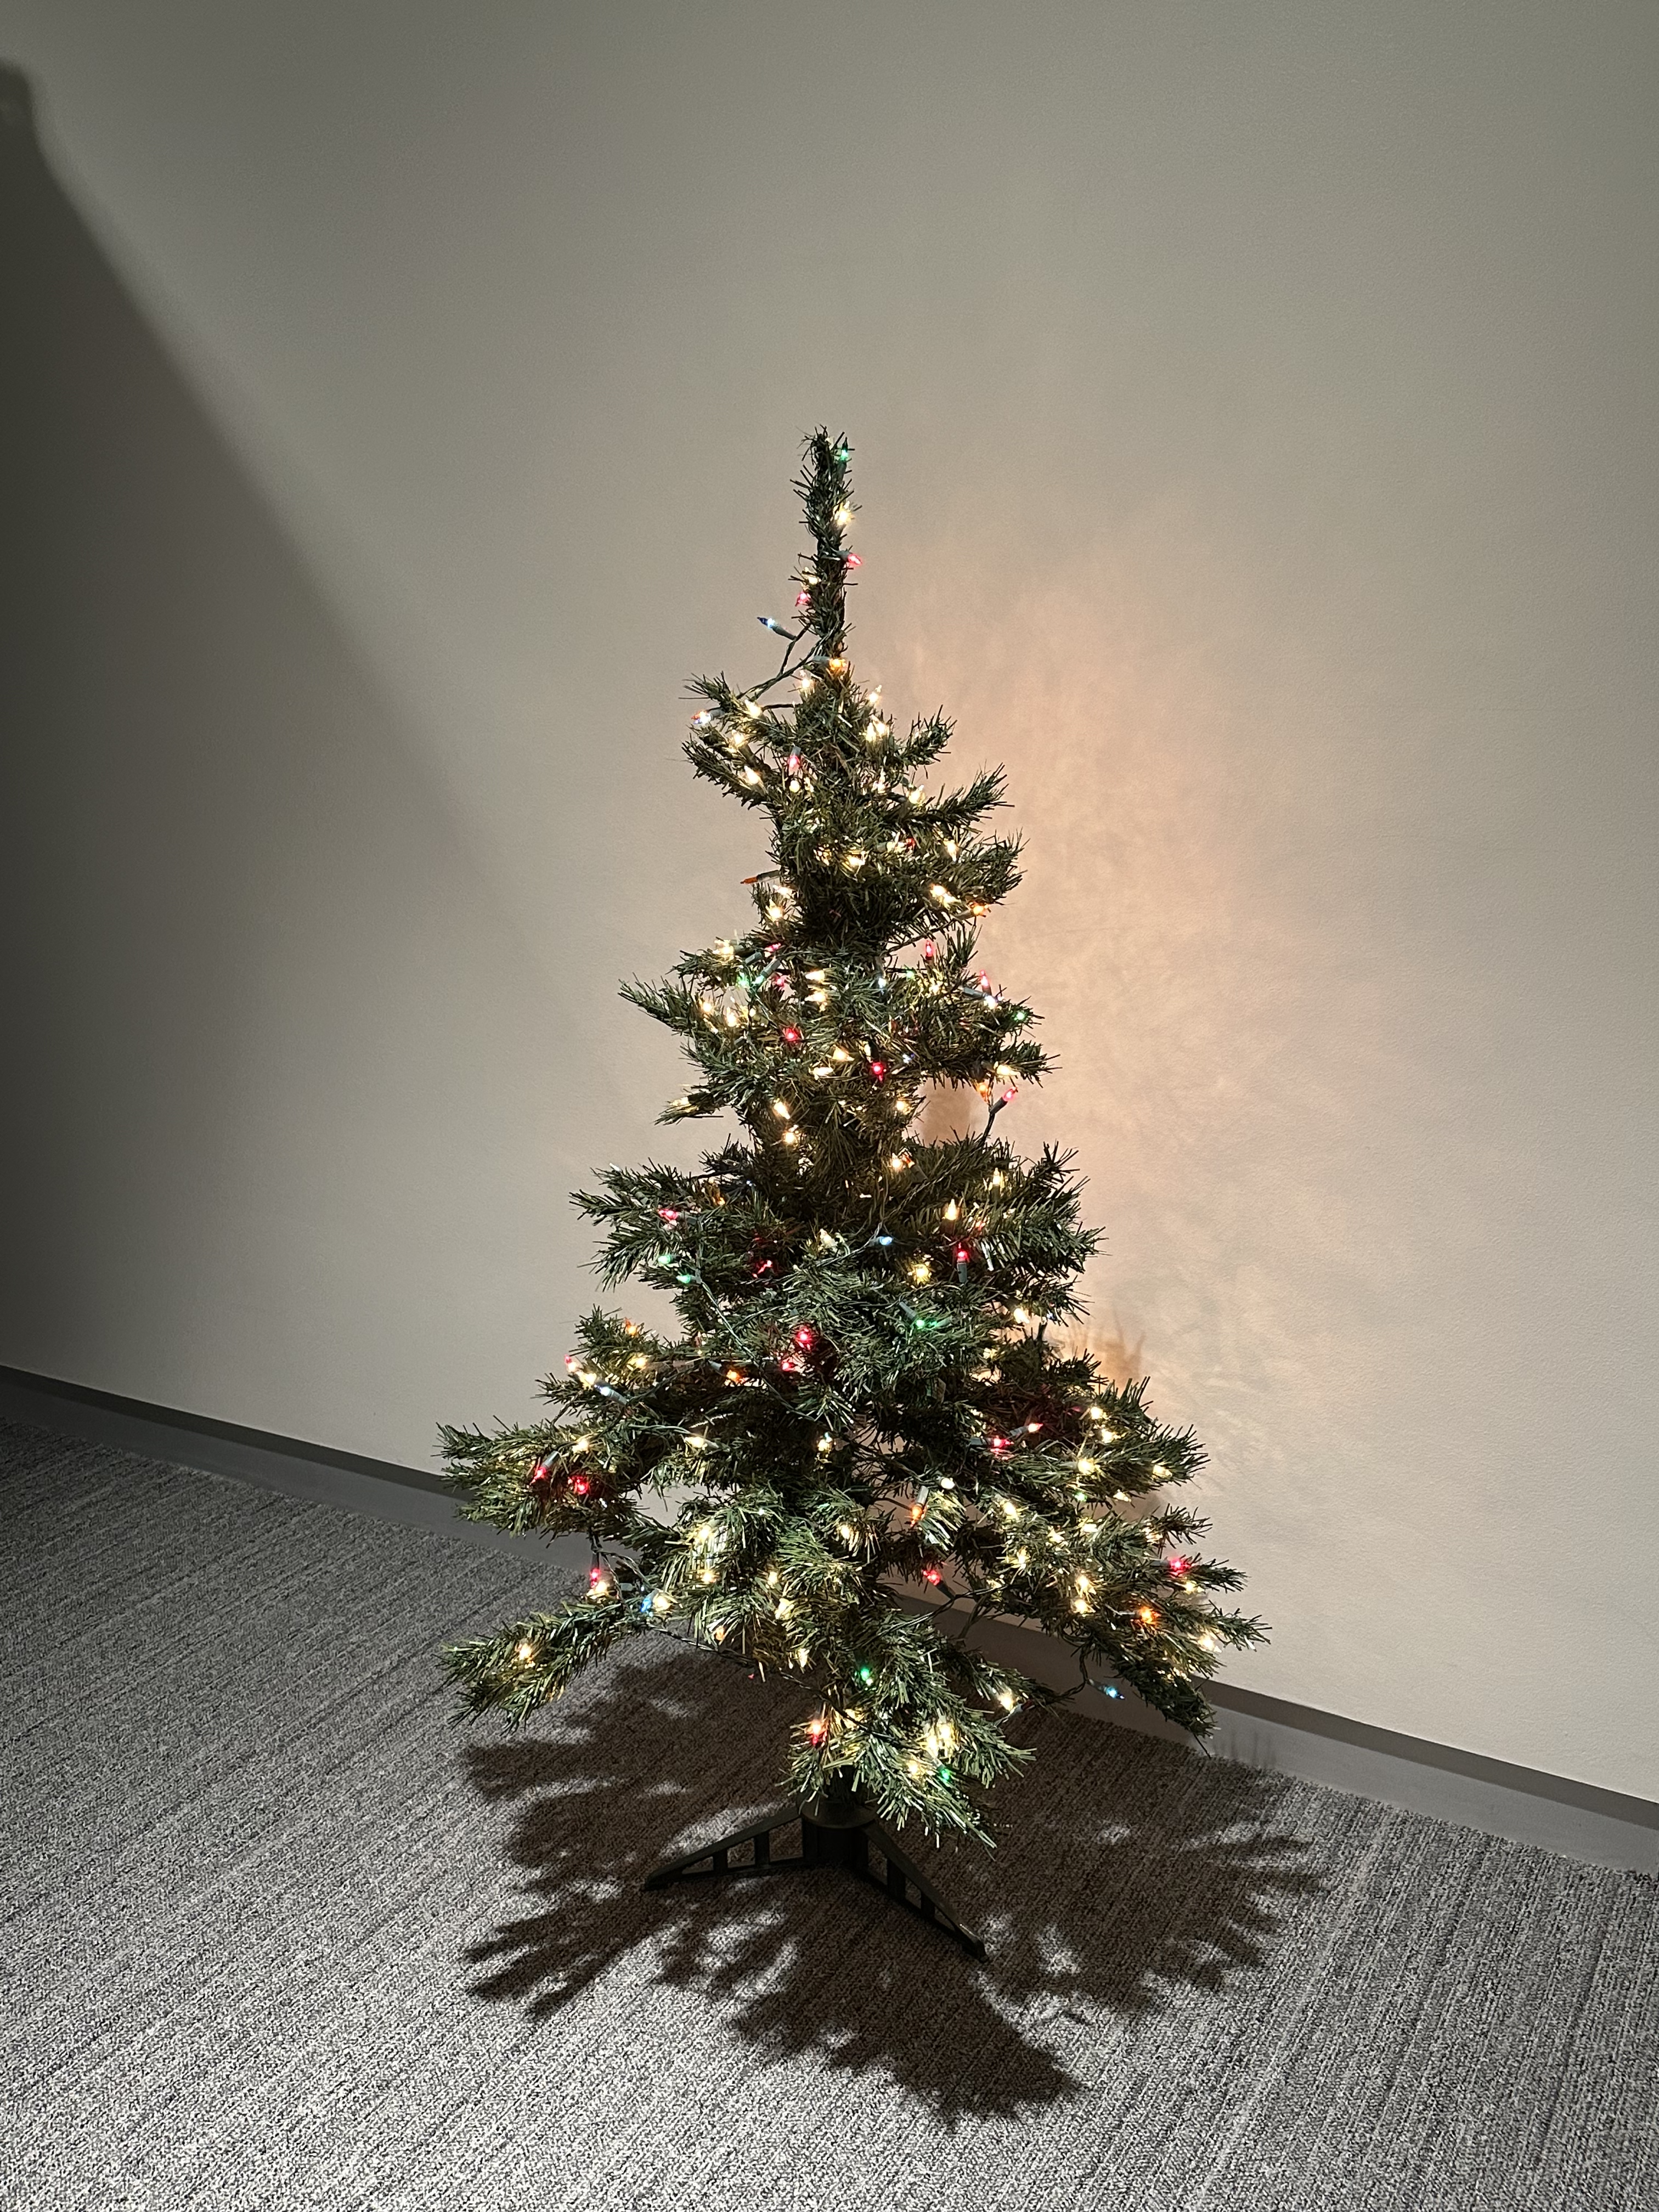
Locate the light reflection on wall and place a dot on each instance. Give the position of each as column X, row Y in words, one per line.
column 1289, row 1072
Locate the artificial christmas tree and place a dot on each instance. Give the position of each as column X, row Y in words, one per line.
column 876, row 1445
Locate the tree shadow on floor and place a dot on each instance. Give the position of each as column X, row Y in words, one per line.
column 1125, row 1867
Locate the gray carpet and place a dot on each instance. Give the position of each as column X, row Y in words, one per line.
column 282, row 1933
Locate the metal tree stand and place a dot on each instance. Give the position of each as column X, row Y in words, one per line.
column 838, row 1830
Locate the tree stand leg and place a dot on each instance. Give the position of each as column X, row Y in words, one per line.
column 837, row 1830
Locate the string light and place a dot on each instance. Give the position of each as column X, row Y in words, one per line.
column 884, row 824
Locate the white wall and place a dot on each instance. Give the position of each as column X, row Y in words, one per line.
column 1255, row 419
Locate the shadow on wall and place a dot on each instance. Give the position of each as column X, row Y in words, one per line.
column 245, row 953
column 1184, row 1882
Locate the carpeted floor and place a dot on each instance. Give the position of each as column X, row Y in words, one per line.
column 282, row 1933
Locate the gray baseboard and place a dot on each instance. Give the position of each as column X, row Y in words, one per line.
column 1576, row 1819
column 417, row 1496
